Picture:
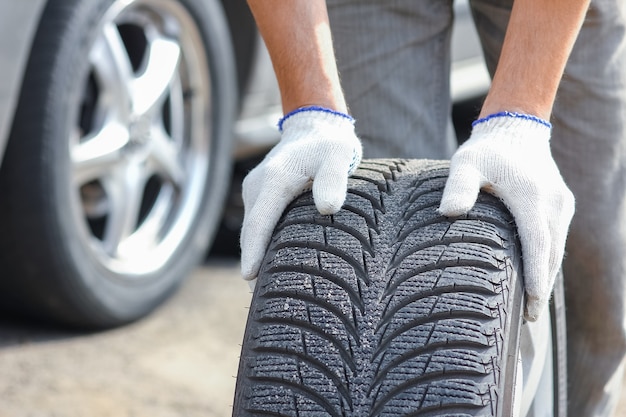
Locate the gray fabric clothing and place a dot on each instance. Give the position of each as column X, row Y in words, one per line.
column 589, row 144
column 392, row 89
column 393, row 58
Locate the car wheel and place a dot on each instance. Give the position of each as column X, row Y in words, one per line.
column 119, row 157
column 388, row 308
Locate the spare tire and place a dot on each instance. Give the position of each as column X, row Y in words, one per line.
column 388, row 308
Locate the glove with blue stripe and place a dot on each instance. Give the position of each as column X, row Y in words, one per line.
column 319, row 149
column 508, row 155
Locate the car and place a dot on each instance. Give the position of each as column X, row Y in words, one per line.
column 121, row 122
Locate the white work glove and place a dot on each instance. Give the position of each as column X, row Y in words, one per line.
column 318, row 146
column 508, row 155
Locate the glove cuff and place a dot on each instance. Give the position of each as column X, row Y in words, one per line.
column 314, row 114
column 512, row 115
column 516, row 127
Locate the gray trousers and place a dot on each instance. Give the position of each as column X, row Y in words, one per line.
column 394, row 59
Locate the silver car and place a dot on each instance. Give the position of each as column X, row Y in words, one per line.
column 120, row 124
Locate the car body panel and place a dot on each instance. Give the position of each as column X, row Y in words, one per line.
column 20, row 20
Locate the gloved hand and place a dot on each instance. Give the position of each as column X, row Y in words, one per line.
column 318, row 146
column 508, row 155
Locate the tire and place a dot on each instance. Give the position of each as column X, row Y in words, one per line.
column 119, row 158
column 387, row 308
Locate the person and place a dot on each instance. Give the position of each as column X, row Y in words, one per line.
column 560, row 62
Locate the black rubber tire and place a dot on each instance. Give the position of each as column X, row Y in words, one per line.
column 386, row 308
column 47, row 273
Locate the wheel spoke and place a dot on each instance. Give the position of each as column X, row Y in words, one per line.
column 165, row 156
column 124, row 189
column 176, row 111
column 98, row 153
column 151, row 88
column 151, row 228
column 112, row 67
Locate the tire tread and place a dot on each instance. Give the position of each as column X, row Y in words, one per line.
column 386, row 308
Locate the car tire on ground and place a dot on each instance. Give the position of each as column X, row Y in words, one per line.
column 119, row 158
column 388, row 308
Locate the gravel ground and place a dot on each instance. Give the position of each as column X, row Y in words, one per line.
column 179, row 362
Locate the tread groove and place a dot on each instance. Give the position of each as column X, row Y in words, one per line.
column 324, row 274
column 326, row 223
column 359, row 270
column 441, row 266
column 438, row 291
column 382, row 374
column 304, row 391
column 312, row 329
column 374, row 201
column 317, row 364
column 316, row 301
column 446, row 241
column 458, row 314
column 400, row 389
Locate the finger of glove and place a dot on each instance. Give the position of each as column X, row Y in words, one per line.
column 558, row 220
column 461, row 190
column 553, row 219
column 259, row 223
column 251, row 187
column 330, row 186
column 531, row 219
column 564, row 206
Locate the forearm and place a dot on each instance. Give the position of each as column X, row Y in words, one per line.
column 297, row 34
column 539, row 39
